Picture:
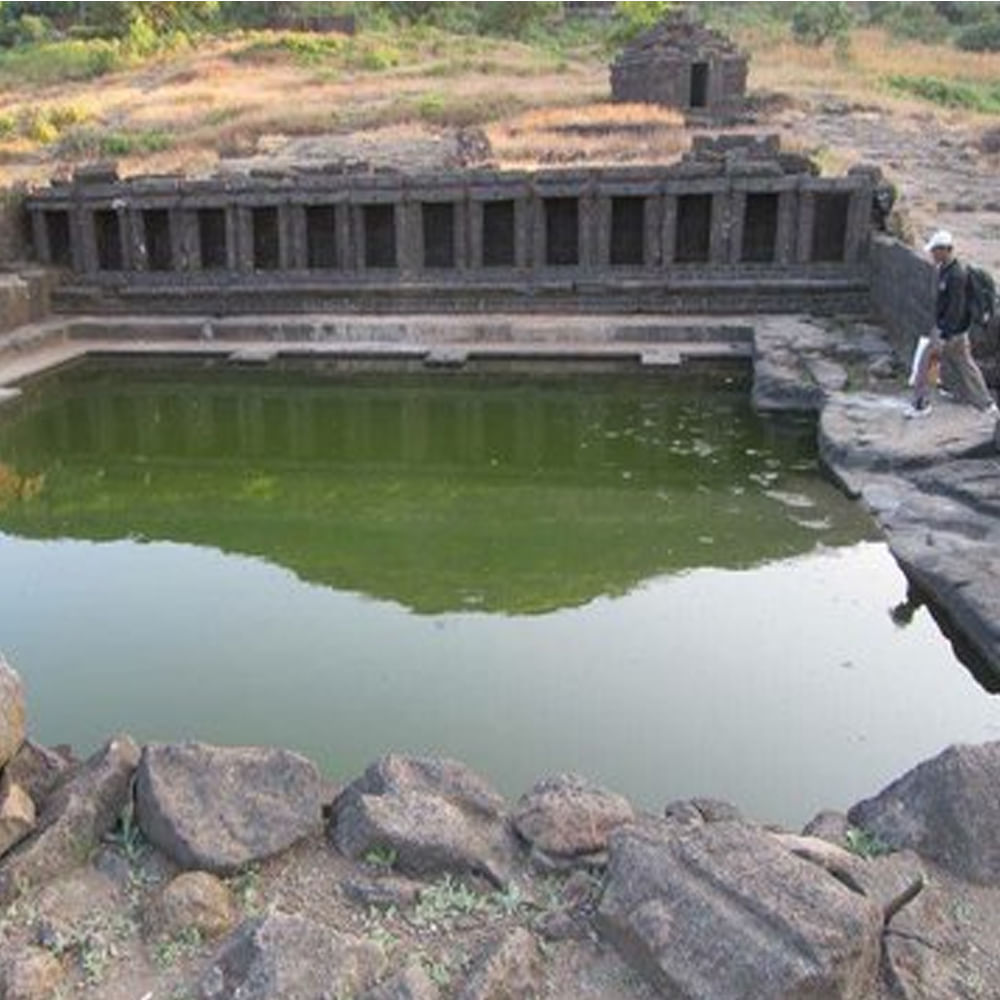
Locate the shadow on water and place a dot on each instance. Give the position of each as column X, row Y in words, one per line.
column 442, row 492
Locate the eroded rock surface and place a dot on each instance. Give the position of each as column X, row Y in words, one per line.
column 433, row 815
column 946, row 809
column 12, row 717
column 413, row 983
column 567, row 816
column 30, row 974
column 509, row 966
column 37, row 770
column 220, row 808
column 283, row 957
column 77, row 815
column 723, row 911
column 197, row 901
column 17, row 814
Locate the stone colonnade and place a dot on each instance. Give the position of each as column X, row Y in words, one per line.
column 473, row 225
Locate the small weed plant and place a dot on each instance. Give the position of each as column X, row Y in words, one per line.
column 866, row 844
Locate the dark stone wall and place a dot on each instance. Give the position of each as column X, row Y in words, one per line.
column 12, row 226
column 627, row 238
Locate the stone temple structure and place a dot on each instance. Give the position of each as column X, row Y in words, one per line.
column 736, row 226
column 685, row 65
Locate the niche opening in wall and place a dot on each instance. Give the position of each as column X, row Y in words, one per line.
column 379, row 222
column 57, row 234
column 266, row 238
column 693, row 240
column 829, row 236
column 760, row 228
column 439, row 233
column 321, row 237
column 212, row 242
column 498, row 233
column 156, row 225
column 628, row 231
column 108, row 234
column 562, row 231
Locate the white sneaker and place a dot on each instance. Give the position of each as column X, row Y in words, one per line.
column 915, row 412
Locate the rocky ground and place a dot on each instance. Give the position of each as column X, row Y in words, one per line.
column 192, row 872
column 946, row 173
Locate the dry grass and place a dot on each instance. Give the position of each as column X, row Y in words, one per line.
column 216, row 101
column 536, row 107
column 874, row 56
column 595, row 133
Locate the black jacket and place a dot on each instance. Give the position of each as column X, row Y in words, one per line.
column 952, row 310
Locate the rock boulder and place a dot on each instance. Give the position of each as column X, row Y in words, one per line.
column 192, row 901
column 219, row 808
column 17, row 814
column 282, row 957
column 413, row 983
column 74, row 820
column 12, row 712
column 30, row 974
column 567, row 816
column 38, row 771
column 509, row 966
column 946, row 809
column 721, row 910
column 433, row 815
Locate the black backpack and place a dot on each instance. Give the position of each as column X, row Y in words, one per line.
column 982, row 295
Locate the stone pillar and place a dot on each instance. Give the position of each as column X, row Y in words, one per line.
column 737, row 199
column 84, row 239
column 135, row 249
column 409, row 236
column 356, row 232
column 785, row 251
column 653, row 237
column 525, row 210
column 185, row 240
column 536, row 222
column 807, row 219
column 590, row 242
column 858, row 225
column 462, row 231
column 601, row 216
column 239, row 238
column 294, row 243
column 347, row 249
column 668, row 228
column 721, row 222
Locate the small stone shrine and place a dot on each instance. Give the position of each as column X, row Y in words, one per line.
column 685, row 65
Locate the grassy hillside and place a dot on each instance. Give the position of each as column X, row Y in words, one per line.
column 182, row 100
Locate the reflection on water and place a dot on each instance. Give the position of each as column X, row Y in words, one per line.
column 627, row 578
column 438, row 494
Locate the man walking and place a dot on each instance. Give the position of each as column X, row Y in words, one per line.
column 949, row 340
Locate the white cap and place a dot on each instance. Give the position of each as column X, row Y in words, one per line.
column 942, row 238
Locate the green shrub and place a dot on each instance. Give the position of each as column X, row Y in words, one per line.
column 8, row 126
column 983, row 37
column 972, row 96
column 28, row 29
column 303, row 49
column 816, row 23
column 632, row 19
column 56, row 62
column 371, row 55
